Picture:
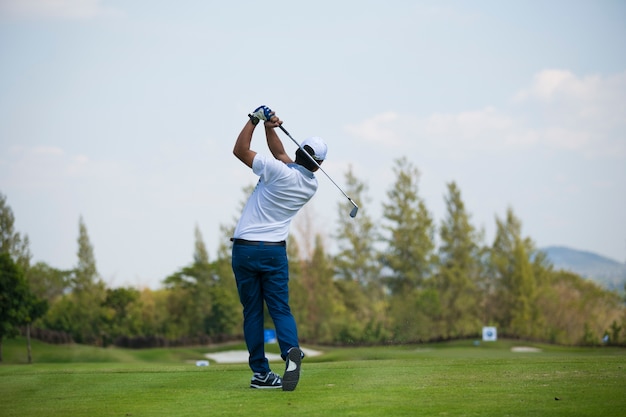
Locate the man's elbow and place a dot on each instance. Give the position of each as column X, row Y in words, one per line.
column 239, row 152
column 245, row 156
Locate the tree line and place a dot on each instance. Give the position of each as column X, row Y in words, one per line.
column 399, row 279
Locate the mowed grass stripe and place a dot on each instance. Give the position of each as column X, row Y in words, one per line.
column 445, row 380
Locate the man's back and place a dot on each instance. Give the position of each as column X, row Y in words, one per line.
column 283, row 189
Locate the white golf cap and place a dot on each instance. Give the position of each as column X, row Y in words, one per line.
column 318, row 145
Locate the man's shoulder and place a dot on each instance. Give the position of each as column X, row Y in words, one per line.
column 263, row 160
column 264, row 163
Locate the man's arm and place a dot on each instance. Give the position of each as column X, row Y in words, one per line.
column 274, row 142
column 242, row 145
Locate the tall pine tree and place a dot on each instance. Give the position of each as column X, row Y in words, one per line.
column 11, row 241
column 410, row 229
column 513, row 299
column 409, row 258
column 190, row 300
column 358, row 269
column 80, row 313
column 460, row 273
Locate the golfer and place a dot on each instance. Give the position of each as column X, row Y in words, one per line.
column 259, row 256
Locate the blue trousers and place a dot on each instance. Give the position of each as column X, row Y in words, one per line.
column 262, row 274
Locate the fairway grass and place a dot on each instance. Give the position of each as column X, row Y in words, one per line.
column 452, row 379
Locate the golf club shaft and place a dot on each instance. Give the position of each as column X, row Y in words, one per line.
column 318, row 165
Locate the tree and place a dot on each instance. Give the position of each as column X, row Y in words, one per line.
column 358, row 270
column 18, row 306
column 89, row 292
column 318, row 318
column 298, row 293
column 305, row 231
column 13, row 292
column 460, row 273
column 203, row 297
column 225, row 318
column 577, row 310
column 11, row 241
column 514, row 279
column 190, row 298
column 16, row 247
column 47, row 282
column 409, row 257
column 80, row 312
column 356, row 259
column 34, row 308
column 410, row 232
column 85, row 274
column 120, row 314
column 200, row 255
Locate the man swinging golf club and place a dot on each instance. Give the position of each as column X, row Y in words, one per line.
column 259, row 255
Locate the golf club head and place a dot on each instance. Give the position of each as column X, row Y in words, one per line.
column 353, row 212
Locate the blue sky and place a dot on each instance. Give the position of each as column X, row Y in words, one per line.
column 125, row 113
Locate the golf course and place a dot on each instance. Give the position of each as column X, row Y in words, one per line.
column 460, row 378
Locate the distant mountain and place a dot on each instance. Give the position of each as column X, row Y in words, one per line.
column 607, row 272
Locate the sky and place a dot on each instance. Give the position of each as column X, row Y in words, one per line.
column 125, row 113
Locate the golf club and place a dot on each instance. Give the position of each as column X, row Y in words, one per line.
column 355, row 208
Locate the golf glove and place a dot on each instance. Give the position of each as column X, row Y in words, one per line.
column 260, row 113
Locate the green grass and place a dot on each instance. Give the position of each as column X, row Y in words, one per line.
column 450, row 379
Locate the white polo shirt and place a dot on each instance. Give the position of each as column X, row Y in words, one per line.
column 282, row 190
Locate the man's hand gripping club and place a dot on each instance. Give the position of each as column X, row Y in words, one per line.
column 242, row 146
column 266, row 114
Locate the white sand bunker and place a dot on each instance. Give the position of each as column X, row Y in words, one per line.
column 241, row 356
column 524, row 349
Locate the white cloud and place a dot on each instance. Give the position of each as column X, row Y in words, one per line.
column 558, row 110
column 57, row 9
column 552, row 84
column 585, row 114
column 77, row 165
column 592, row 97
column 378, row 129
column 548, row 83
column 454, row 133
column 485, row 125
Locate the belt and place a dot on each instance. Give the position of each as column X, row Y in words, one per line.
column 256, row 242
